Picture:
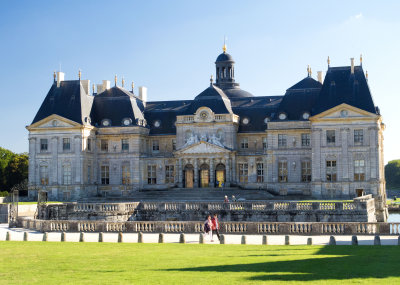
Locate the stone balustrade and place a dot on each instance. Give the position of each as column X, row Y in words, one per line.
column 272, row 228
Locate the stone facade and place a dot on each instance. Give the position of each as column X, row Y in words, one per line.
column 334, row 154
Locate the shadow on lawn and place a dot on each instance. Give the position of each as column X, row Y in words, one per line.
column 349, row 262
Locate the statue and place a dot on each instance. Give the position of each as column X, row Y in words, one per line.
column 215, row 140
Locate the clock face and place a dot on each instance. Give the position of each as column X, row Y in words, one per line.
column 306, row 116
column 282, row 116
column 157, row 123
column 245, row 121
column 204, row 115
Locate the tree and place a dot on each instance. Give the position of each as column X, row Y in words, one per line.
column 5, row 157
column 392, row 174
column 16, row 171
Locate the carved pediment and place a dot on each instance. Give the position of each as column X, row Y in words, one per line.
column 202, row 147
column 343, row 112
column 54, row 121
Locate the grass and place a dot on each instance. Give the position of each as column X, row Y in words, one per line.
column 105, row 263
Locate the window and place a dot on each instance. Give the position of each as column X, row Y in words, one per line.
column 306, row 171
column 260, row 172
column 282, row 171
column 358, row 136
column 330, row 137
column 66, row 144
column 331, row 170
column 44, row 175
column 156, row 146
column 281, row 140
column 169, row 174
column 126, row 174
column 265, row 144
column 151, row 174
column 244, row 143
column 43, row 145
column 125, row 145
column 243, row 172
column 173, row 144
column 104, row 145
column 105, row 174
column 67, row 174
column 305, row 139
column 89, row 173
column 359, row 170
column 89, row 144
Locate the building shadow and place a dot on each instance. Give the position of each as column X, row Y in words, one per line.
column 330, row 262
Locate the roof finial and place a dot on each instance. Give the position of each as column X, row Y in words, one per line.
column 308, row 70
column 329, row 61
column 115, row 80
column 123, row 82
column 366, row 75
column 361, row 59
column 211, row 80
column 224, row 47
column 79, row 74
column 133, row 85
column 54, row 76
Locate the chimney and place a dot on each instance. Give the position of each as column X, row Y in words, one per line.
column 86, row 86
column 352, row 65
column 320, row 77
column 60, row 78
column 99, row 88
column 143, row 94
column 106, row 85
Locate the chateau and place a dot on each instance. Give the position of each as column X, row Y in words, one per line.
column 321, row 139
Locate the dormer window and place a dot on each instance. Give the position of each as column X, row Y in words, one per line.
column 157, row 123
column 266, row 120
column 246, row 121
column 282, row 116
column 126, row 121
column 106, row 123
column 306, row 115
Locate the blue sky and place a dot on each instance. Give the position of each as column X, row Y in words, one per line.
column 171, row 46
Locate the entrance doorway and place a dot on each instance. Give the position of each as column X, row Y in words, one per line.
column 204, row 176
column 220, row 175
column 188, row 175
column 360, row 192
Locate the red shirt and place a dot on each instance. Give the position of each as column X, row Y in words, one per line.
column 215, row 224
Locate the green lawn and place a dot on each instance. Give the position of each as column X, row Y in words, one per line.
column 105, row 263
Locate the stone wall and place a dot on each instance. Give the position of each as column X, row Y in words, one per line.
column 360, row 210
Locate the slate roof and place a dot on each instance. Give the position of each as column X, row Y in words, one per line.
column 340, row 86
column 308, row 95
column 213, row 98
column 69, row 101
column 299, row 98
column 116, row 104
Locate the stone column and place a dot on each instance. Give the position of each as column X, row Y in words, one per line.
column 212, row 176
column 316, row 155
column 196, row 173
column 373, row 161
column 344, row 165
column 32, row 161
column 180, row 173
column 228, row 177
column 78, row 161
column 53, row 171
column 234, row 178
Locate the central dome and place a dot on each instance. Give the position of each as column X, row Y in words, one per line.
column 224, row 57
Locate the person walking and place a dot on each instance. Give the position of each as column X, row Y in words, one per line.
column 208, row 228
column 215, row 226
